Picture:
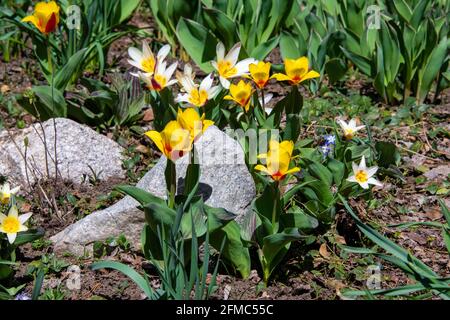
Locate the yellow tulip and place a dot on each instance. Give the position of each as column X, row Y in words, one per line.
column 241, row 94
column 45, row 17
column 190, row 120
column 174, row 141
column 296, row 71
column 278, row 159
column 260, row 73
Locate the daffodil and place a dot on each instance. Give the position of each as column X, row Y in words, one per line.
column 173, row 141
column 349, row 128
column 278, row 159
column 296, row 71
column 45, row 17
column 228, row 66
column 161, row 78
column 259, row 73
column 196, row 95
column 6, row 192
column 190, row 120
column 13, row 223
column 145, row 60
column 241, row 94
column 363, row 175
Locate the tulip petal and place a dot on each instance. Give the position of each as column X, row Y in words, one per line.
column 261, row 168
column 163, row 52
column 233, row 54
column 224, row 82
column 135, row 54
column 11, row 237
column 374, row 182
column 280, row 77
column 24, row 217
column 157, row 139
column 220, row 51
column 310, row 75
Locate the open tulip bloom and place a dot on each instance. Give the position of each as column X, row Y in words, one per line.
column 13, row 223
column 45, row 17
column 241, row 94
column 190, row 120
column 173, row 141
column 196, row 95
column 296, row 71
column 363, row 175
column 259, row 73
column 6, row 192
column 278, row 159
column 145, row 60
column 349, row 128
column 161, row 78
column 228, row 66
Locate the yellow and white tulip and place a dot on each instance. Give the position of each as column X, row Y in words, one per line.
column 349, row 129
column 162, row 77
column 13, row 223
column 145, row 60
column 228, row 66
column 6, row 192
column 363, row 175
column 196, row 95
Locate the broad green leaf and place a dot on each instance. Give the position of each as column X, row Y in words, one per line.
column 140, row 195
column 69, row 70
column 199, row 43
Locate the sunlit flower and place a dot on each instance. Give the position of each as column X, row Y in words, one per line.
column 227, row 65
column 161, row 78
column 363, row 175
column 278, row 159
column 174, row 141
column 196, row 95
column 241, row 94
column 145, row 60
column 259, row 73
column 349, row 128
column 296, row 71
column 45, row 17
column 6, row 192
column 190, row 120
column 13, row 223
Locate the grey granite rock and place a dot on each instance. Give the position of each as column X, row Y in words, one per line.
column 225, row 182
column 80, row 151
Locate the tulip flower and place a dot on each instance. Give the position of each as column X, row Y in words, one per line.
column 173, row 141
column 161, row 78
column 196, row 96
column 45, row 17
column 259, row 73
column 296, row 71
column 190, row 120
column 241, row 94
column 227, row 65
column 363, row 175
column 278, row 159
column 349, row 128
column 145, row 60
column 6, row 192
column 13, row 223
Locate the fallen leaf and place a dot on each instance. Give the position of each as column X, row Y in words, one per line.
column 142, row 149
column 148, row 115
column 323, row 251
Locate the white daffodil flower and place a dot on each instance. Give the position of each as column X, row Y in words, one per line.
column 196, row 95
column 349, row 128
column 145, row 60
column 6, row 192
column 13, row 223
column 363, row 175
column 227, row 65
column 161, row 78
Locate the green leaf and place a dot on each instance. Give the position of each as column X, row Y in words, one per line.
column 263, row 49
column 69, row 70
column 234, row 250
column 337, row 169
column 296, row 218
column 387, row 153
column 44, row 106
column 445, row 211
column 141, row 282
column 199, row 43
column 289, row 46
column 157, row 214
column 430, row 71
column 222, row 26
column 292, row 129
column 141, row 196
column 28, row 236
column 321, row 172
column 335, row 69
column 362, row 63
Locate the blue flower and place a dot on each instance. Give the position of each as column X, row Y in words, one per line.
column 22, row 296
column 330, row 139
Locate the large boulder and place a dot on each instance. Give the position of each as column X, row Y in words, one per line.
column 81, row 152
column 224, row 182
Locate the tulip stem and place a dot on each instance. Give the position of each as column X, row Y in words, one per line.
column 275, row 205
column 171, row 182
